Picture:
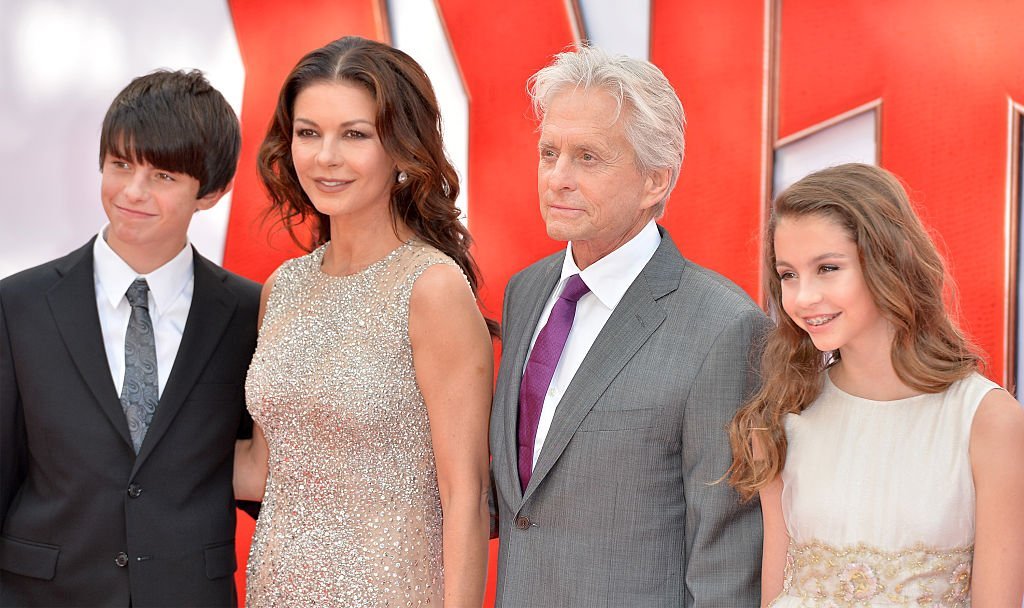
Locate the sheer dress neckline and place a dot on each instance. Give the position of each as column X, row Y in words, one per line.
column 318, row 256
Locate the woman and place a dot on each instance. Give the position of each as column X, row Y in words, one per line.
column 890, row 472
column 371, row 382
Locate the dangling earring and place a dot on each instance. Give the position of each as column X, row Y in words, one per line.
column 402, row 176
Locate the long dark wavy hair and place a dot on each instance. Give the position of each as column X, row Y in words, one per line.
column 408, row 122
column 907, row 280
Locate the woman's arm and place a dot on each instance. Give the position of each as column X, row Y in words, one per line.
column 250, row 474
column 454, row 360
column 997, row 461
column 776, row 541
column 776, row 537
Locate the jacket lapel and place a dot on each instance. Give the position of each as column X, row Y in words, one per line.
column 212, row 308
column 534, row 296
column 631, row 324
column 72, row 301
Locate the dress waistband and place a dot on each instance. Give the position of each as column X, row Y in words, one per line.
column 862, row 575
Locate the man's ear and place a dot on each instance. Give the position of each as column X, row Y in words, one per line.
column 656, row 186
column 208, row 201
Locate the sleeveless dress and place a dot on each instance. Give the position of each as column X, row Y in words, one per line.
column 351, row 516
column 878, row 499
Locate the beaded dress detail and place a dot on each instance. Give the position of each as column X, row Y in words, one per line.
column 878, row 499
column 351, row 515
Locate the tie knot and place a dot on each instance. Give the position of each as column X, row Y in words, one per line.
column 138, row 293
column 574, row 289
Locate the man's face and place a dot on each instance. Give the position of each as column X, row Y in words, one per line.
column 149, row 208
column 591, row 192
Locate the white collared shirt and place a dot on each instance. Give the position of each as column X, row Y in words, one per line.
column 170, row 298
column 608, row 279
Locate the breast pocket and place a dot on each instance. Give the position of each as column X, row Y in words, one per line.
column 620, row 420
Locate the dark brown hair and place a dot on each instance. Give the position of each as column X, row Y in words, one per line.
column 178, row 122
column 409, row 124
column 906, row 277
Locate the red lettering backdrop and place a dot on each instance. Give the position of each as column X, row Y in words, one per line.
column 944, row 72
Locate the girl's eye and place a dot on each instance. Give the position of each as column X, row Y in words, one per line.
column 786, row 275
column 828, row 268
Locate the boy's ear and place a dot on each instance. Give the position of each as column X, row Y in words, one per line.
column 211, row 199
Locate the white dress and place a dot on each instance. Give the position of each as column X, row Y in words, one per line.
column 878, row 499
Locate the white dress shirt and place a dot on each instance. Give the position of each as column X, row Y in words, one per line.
column 170, row 298
column 608, row 280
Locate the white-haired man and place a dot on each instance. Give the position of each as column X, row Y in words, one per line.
column 622, row 364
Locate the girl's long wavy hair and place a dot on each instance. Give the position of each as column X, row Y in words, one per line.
column 906, row 277
column 408, row 122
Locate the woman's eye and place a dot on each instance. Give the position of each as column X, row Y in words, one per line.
column 351, row 134
column 828, row 268
column 305, row 133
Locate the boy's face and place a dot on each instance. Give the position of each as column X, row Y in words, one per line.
column 149, row 208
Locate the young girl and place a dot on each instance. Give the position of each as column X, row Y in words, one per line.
column 890, row 471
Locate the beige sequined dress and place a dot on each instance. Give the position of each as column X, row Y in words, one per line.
column 351, row 515
column 878, row 498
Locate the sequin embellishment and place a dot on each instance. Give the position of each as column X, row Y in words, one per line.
column 861, row 576
column 352, row 514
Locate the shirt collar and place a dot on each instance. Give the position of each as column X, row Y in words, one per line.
column 115, row 275
column 610, row 277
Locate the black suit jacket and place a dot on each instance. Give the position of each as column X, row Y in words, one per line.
column 86, row 522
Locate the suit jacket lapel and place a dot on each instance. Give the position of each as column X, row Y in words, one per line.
column 72, row 301
column 631, row 324
column 535, row 296
column 208, row 316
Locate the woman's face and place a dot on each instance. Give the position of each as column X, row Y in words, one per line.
column 823, row 287
column 337, row 152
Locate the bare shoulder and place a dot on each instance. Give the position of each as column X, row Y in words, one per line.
column 998, row 423
column 441, row 285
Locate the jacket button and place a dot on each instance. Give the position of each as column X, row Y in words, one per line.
column 134, row 490
column 121, row 560
column 523, row 522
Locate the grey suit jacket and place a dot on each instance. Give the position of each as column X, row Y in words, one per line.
column 621, row 510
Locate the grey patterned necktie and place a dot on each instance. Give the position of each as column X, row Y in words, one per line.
column 139, row 395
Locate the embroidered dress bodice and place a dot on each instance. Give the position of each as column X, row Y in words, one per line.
column 352, row 514
column 878, row 499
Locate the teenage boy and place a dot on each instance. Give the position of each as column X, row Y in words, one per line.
column 122, row 370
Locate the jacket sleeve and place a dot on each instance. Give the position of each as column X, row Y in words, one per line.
column 723, row 536
column 12, row 421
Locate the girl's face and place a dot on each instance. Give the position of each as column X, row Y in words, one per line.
column 338, row 155
column 823, row 287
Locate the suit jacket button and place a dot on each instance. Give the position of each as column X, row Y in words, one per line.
column 134, row 490
column 121, row 560
column 523, row 522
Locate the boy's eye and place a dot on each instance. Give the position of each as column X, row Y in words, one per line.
column 166, row 177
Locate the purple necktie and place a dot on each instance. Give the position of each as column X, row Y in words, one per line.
column 547, row 350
